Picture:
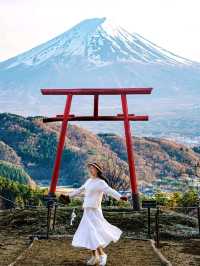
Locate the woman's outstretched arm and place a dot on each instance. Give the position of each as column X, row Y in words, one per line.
column 78, row 190
column 66, row 197
column 110, row 191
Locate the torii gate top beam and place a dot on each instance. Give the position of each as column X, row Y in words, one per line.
column 98, row 91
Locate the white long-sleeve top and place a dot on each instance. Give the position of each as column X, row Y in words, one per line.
column 93, row 190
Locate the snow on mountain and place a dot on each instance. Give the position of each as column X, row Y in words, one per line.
column 100, row 42
column 97, row 53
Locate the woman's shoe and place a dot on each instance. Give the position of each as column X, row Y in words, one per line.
column 103, row 259
column 93, row 260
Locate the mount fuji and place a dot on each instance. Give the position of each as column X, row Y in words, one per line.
column 95, row 53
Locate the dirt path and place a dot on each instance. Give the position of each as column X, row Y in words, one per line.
column 60, row 252
column 11, row 247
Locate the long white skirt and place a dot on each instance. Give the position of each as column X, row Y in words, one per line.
column 94, row 230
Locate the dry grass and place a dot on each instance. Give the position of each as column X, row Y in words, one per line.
column 11, row 246
column 182, row 253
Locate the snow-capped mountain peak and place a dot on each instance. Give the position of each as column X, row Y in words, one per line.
column 99, row 42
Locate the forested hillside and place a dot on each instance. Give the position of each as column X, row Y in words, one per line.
column 31, row 145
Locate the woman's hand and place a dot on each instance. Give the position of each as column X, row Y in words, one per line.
column 64, row 198
column 125, row 198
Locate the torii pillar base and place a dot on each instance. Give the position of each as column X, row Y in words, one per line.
column 135, row 201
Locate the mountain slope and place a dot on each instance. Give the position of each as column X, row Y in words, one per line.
column 15, row 173
column 8, row 154
column 99, row 42
column 35, row 144
column 156, row 158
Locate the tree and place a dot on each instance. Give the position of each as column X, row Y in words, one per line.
column 116, row 172
column 161, row 198
column 189, row 198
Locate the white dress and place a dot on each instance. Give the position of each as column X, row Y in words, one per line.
column 94, row 230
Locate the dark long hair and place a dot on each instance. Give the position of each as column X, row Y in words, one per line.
column 101, row 176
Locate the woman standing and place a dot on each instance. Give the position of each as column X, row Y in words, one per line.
column 94, row 231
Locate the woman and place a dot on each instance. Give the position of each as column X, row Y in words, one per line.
column 94, row 231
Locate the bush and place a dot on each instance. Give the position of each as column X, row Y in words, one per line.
column 20, row 194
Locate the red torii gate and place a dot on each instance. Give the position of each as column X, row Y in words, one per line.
column 125, row 116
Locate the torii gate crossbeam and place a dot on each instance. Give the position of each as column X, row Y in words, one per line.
column 125, row 116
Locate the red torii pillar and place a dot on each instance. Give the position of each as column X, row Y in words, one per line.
column 125, row 116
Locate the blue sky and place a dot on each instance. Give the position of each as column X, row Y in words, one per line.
column 172, row 24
